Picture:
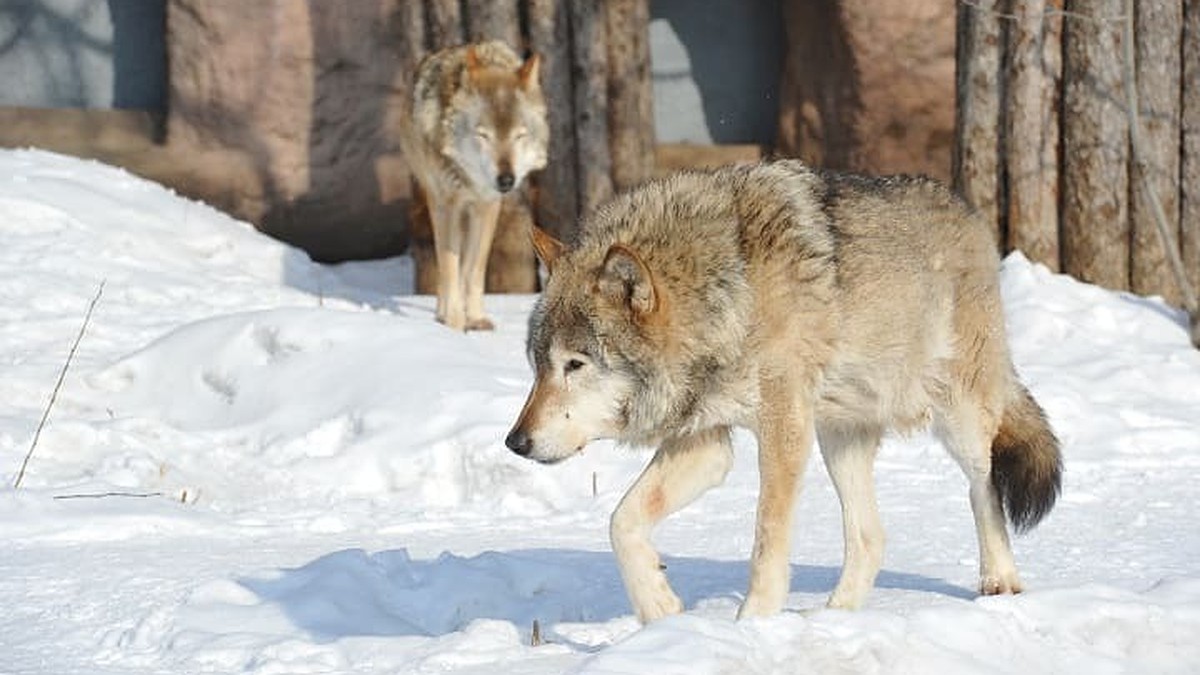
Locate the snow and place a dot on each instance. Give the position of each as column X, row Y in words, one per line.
column 259, row 464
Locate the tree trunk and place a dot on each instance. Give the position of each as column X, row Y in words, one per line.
column 1095, row 181
column 557, row 197
column 512, row 267
column 1031, row 132
column 589, row 62
column 977, row 122
column 1190, row 122
column 493, row 20
column 445, row 23
column 630, row 97
column 1157, row 26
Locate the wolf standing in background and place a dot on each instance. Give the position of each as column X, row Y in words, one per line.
column 800, row 304
column 475, row 127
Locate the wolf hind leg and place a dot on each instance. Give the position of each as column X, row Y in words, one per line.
column 481, row 230
column 681, row 470
column 849, row 455
column 967, row 433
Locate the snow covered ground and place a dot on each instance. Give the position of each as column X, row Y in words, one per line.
column 258, row 464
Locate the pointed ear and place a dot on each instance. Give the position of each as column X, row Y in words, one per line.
column 527, row 74
column 627, row 278
column 472, row 65
column 548, row 248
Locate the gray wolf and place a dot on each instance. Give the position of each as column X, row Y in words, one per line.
column 474, row 128
column 799, row 304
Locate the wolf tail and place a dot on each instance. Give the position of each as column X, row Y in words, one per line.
column 1026, row 461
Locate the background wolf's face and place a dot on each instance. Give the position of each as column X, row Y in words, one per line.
column 498, row 128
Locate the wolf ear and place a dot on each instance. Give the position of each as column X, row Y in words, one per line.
column 472, row 65
column 627, row 278
column 527, row 74
column 548, row 248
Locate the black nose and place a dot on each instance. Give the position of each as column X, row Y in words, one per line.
column 505, row 182
column 519, row 442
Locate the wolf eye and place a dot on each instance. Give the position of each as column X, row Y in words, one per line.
column 520, row 133
column 572, row 365
column 483, row 134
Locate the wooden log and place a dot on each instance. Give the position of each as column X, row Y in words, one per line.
column 975, row 170
column 1189, row 183
column 1157, row 49
column 630, row 93
column 557, row 191
column 1031, row 131
column 1095, row 182
column 589, row 64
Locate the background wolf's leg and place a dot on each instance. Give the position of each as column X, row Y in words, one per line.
column 446, row 218
column 785, row 438
column 681, row 470
column 965, row 436
column 850, row 458
column 481, row 229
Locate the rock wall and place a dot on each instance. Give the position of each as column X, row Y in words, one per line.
column 301, row 91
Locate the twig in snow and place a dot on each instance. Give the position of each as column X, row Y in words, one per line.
column 103, row 495
column 58, row 385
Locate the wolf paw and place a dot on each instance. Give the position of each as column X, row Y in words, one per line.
column 481, row 323
column 664, row 604
column 997, row 585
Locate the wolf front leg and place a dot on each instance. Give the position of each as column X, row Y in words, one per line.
column 785, row 439
column 481, row 229
column 681, row 471
column 445, row 214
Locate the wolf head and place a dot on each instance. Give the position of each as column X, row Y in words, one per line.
column 615, row 351
column 498, row 124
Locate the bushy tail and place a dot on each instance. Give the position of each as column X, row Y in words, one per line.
column 1026, row 461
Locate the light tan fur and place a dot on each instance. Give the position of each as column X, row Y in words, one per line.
column 798, row 304
column 474, row 127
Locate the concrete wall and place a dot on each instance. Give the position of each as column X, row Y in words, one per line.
column 83, row 54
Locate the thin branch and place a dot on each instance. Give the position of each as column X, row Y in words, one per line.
column 58, row 385
column 978, row 6
column 1170, row 248
column 104, row 495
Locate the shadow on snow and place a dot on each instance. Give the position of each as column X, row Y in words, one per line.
column 352, row 593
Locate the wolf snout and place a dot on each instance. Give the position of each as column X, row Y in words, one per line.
column 519, row 442
column 504, row 183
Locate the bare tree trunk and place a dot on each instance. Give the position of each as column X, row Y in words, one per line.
column 511, row 264
column 445, row 23
column 630, row 97
column 1031, row 132
column 1095, row 146
column 493, row 20
column 976, row 161
column 557, row 196
column 1190, row 135
column 589, row 61
column 1158, row 92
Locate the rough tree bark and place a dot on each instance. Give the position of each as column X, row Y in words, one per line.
column 589, row 63
column 1031, row 130
column 557, row 197
column 1095, row 225
column 1157, row 26
column 630, row 94
column 975, row 169
column 1190, row 137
